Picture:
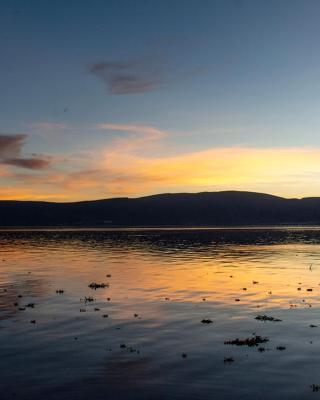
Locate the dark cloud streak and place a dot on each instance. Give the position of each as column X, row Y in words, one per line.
column 29, row 163
column 11, row 145
column 11, row 153
column 127, row 77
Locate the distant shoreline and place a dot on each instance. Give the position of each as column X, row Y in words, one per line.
column 156, row 228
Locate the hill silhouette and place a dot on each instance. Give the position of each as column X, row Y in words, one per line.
column 227, row 208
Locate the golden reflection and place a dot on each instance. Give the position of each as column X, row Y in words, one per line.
column 237, row 276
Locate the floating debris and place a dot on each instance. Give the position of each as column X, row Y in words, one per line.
column 309, row 290
column 105, row 316
column 313, row 326
column 228, row 360
column 244, row 288
column 97, row 309
column 281, row 348
column 108, row 275
column 33, row 321
column 206, row 321
column 315, row 388
column 88, row 299
column 266, row 318
column 252, row 341
column 59, row 291
column 129, row 348
column 261, row 349
column 95, row 286
column 236, row 299
column 183, row 355
column 30, row 305
column 136, row 315
column 255, row 282
column 167, row 298
column 83, row 310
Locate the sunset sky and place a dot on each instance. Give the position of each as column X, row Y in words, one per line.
column 135, row 97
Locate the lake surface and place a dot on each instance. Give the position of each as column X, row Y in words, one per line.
column 142, row 336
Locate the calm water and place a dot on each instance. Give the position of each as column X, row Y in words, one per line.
column 162, row 285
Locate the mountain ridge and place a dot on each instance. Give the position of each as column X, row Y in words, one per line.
column 224, row 208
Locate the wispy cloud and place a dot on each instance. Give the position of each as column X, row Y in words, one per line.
column 11, row 153
column 128, row 77
column 138, row 135
column 47, row 126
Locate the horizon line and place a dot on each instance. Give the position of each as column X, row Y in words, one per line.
column 159, row 194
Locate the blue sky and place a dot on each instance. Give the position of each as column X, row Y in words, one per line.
column 210, row 74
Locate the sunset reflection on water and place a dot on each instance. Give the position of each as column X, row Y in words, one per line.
column 161, row 285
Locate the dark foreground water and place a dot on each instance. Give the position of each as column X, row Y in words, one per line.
column 142, row 337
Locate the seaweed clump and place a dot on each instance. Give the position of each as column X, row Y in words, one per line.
column 266, row 318
column 95, row 286
column 315, row 388
column 252, row 341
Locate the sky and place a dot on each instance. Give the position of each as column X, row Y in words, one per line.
column 127, row 98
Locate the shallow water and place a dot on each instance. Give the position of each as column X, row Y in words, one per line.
column 163, row 284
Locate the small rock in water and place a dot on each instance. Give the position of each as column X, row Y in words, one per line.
column 207, row 321
column 281, row 348
column 228, row 360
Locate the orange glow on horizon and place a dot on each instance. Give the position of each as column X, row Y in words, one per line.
column 122, row 170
